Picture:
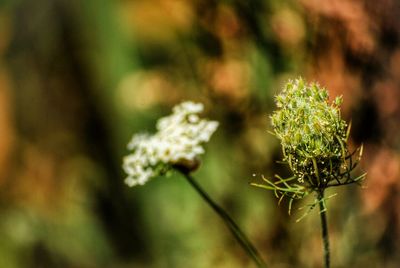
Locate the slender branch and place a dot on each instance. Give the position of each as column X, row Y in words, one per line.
column 357, row 180
column 342, row 183
column 233, row 227
column 324, row 226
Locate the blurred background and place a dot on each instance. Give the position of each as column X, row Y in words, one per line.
column 79, row 78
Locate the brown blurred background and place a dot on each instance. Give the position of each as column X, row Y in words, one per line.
column 78, row 78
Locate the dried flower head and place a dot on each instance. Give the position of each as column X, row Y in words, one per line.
column 314, row 141
column 178, row 142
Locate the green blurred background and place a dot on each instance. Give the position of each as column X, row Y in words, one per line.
column 78, row 78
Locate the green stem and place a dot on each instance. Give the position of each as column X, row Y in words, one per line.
column 233, row 227
column 324, row 225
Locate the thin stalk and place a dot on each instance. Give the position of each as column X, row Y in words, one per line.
column 324, row 227
column 233, row 227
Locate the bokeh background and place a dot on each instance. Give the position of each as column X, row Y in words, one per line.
column 78, row 78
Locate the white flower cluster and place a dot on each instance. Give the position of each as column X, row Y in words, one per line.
column 179, row 138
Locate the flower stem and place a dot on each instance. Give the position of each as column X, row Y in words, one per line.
column 233, row 227
column 324, row 225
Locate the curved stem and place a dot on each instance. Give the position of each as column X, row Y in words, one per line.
column 324, row 225
column 233, row 227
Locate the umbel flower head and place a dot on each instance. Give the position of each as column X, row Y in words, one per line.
column 314, row 141
column 178, row 142
column 312, row 133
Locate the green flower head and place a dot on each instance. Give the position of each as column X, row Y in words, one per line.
column 314, row 143
column 312, row 134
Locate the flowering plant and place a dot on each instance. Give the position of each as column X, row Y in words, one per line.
column 314, row 140
column 177, row 144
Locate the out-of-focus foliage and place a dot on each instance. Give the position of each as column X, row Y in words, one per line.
column 78, row 78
